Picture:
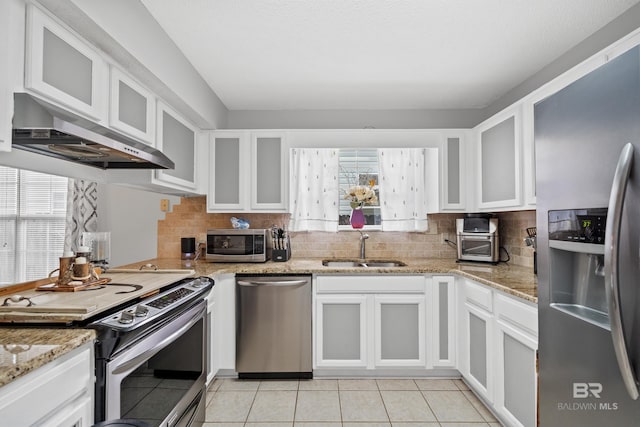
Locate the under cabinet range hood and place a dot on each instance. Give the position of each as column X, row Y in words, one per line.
column 43, row 128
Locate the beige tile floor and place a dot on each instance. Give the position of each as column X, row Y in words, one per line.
column 345, row 402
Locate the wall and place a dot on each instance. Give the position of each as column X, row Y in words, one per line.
column 354, row 119
column 433, row 119
column 607, row 35
column 190, row 219
column 131, row 216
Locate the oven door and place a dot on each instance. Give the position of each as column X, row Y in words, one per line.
column 160, row 379
column 477, row 247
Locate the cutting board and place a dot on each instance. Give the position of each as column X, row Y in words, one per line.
column 72, row 306
column 159, row 271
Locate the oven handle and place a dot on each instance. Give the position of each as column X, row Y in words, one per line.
column 135, row 361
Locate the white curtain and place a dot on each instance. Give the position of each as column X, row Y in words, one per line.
column 315, row 189
column 402, row 189
column 82, row 211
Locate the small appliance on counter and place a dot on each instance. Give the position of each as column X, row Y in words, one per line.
column 238, row 245
column 98, row 244
column 188, row 248
column 477, row 238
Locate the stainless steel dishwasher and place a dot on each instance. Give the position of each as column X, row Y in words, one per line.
column 273, row 326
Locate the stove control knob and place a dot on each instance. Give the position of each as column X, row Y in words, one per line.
column 141, row 311
column 197, row 283
column 126, row 317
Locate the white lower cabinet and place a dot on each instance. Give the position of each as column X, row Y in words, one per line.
column 222, row 346
column 60, row 393
column 498, row 339
column 478, row 350
column 516, row 348
column 370, row 321
column 442, row 322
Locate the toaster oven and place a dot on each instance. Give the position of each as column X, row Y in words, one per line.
column 477, row 239
column 238, row 245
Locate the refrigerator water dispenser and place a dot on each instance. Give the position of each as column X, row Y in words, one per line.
column 576, row 262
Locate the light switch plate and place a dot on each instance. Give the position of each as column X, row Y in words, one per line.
column 164, row 205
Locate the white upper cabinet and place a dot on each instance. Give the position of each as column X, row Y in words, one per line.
column 176, row 138
column 228, row 171
column 132, row 108
column 269, row 172
column 498, row 183
column 64, row 68
column 453, row 172
column 248, row 172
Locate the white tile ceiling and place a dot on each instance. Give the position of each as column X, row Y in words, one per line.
column 374, row 54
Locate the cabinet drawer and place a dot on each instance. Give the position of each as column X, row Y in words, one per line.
column 478, row 295
column 517, row 313
column 370, row 284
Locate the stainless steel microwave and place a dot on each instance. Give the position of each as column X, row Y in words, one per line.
column 238, row 245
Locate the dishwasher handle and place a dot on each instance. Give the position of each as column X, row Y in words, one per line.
column 298, row 282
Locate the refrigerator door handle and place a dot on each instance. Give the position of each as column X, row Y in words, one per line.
column 611, row 268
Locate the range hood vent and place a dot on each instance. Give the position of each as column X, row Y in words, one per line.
column 43, row 128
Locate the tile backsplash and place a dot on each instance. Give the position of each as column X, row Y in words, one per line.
column 190, row 219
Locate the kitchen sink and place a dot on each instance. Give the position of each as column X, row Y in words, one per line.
column 362, row 263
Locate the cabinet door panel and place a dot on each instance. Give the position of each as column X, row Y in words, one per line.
column 179, row 146
column 516, row 377
column 478, row 348
column 63, row 67
column 341, row 331
column 177, row 140
column 453, row 194
column 519, row 380
column 226, row 169
column 132, row 107
column 498, row 154
column 442, row 322
column 499, row 177
column 66, row 69
column 269, row 171
column 400, row 330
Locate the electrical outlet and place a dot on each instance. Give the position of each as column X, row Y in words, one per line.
column 445, row 237
column 164, row 205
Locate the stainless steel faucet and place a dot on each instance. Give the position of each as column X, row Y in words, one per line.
column 363, row 237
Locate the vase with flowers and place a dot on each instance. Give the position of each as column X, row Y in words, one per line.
column 359, row 196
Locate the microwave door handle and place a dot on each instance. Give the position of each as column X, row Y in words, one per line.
column 611, row 268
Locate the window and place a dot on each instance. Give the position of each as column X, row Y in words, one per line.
column 32, row 224
column 359, row 167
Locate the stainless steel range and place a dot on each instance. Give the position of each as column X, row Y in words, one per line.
column 151, row 357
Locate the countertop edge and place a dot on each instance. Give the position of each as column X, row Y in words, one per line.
column 63, row 341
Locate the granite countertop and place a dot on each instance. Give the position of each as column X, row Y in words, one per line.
column 514, row 280
column 23, row 350
column 26, row 349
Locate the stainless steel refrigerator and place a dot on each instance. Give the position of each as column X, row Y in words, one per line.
column 587, row 141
